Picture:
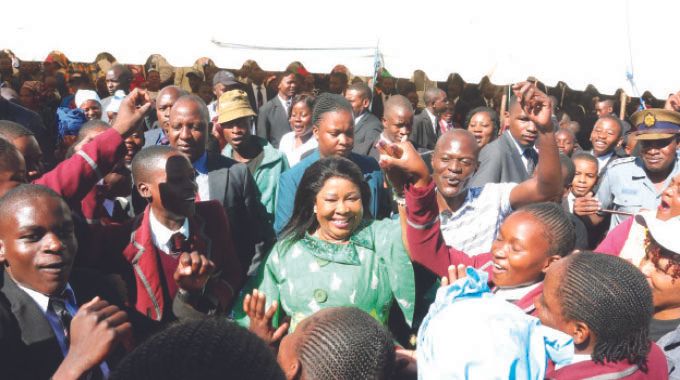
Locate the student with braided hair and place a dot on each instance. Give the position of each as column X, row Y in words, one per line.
column 528, row 240
column 342, row 343
column 605, row 304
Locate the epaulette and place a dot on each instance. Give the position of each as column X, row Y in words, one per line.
column 621, row 160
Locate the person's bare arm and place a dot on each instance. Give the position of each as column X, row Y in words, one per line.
column 547, row 183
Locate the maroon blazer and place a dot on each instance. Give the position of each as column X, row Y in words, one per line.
column 73, row 178
column 139, row 265
column 657, row 369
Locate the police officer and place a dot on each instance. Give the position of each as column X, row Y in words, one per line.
column 634, row 183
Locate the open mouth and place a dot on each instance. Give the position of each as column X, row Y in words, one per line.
column 498, row 269
column 342, row 224
column 664, row 206
column 452, row 181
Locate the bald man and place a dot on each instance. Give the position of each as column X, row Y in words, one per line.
column 223, row 179
column 471, row 215
column 118, row 77
column 164, row 101
column 397, row 123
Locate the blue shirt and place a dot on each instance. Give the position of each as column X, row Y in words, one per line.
column 290, row 179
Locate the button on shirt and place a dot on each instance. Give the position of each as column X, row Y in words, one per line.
column 473, row 227
column 162, row 235
column 626, row 187
column 201, row 167
column 43, row 303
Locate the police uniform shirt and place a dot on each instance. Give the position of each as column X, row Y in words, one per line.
column 626, row 187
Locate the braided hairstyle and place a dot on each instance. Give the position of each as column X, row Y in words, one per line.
column 327, row 102
column 557, row 227
column 612, row 297
column 206, row 349
column 345, row 343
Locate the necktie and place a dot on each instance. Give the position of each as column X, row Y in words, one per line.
column 260, row 99
column 178, row 244
column 59, row 307
column 531, row 157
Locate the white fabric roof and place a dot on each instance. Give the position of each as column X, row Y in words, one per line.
column 579, row 42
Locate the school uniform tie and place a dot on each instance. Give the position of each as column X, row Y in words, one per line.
column 532, row 159
column 179, row 244
column 59, row 307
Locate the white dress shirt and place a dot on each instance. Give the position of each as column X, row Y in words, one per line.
column 201, row 168
column 520, row 149
column 162, row 235
column 433, row 119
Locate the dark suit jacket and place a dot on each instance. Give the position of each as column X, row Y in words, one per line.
column 272, row 122
column 28, row 347
column 424, row 135
column 500, row 161
column 153, row 136
column 377, row 107
column 232, row 185
column 252, row 97
column 366, row 132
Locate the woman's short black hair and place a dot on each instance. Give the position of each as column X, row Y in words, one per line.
column 612, row 297
column 308, row 99
column 303, row 219
column 493, row 115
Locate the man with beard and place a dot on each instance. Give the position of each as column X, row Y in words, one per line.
column 634, row 183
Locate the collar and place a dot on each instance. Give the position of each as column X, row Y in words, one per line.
column 520, row 148
column 604, row 157
column 432, row 117
column 470, row 194
column 161, row 235
column 201, row 165
column 339, row 253
column 284, row 102
column 43, row 301
column 516, row 292
column 577, row 358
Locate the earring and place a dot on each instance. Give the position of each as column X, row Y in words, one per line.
column 315, row 209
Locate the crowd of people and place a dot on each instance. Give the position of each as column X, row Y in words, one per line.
column 173, row 223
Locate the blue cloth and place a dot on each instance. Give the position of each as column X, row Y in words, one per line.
column 69, row 121
column 290, row 179
column 469, row 333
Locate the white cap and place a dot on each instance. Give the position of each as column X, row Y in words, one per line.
column 664, row 232
column 84, row 95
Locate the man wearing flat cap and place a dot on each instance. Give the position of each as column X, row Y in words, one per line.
column 264, row 162
column 635, row 183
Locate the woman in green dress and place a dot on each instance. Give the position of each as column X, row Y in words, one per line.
column 333, row 254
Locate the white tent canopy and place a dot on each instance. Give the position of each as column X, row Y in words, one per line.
column 578, row 42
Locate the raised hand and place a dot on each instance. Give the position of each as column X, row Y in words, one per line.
column 131, row 112
column 536, row 104
column 261, row 321
column 193, row 271
column 454, row 273
column 95, row 331
column 403, row 164
column 587, row 205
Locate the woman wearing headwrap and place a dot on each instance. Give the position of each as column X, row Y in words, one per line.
column 88, row 101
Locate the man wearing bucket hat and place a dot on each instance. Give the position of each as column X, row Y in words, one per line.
column 265, row 163
column 632, row 184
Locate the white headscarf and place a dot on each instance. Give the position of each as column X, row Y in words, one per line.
column 84, row 95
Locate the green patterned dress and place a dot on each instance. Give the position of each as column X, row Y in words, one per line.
column 369, row 272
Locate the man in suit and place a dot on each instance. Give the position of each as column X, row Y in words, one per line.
column 334, row 129
column 511, row 157
column 47, row 330
column 367, row 127
column 426, row 125
column 222, row 179
column 606, row 136
column 164, row 101
column 259, row 93
column 272, row 119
